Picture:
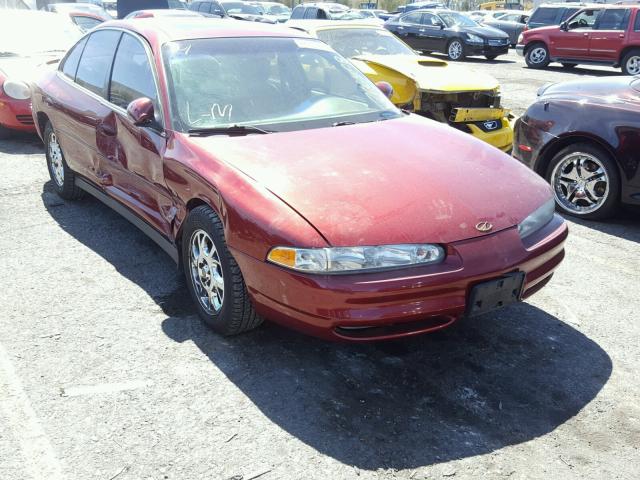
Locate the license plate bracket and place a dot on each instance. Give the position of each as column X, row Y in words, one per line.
column 493, row 294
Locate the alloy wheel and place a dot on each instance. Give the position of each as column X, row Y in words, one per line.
column 633, row 65
column 580, row 183
column 538, row 55
column 55, row 157
column 206, row 272
column 455, row 50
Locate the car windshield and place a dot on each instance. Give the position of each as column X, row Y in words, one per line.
column 455, row 19
column 275, row 83
column 278, row 10
column 351, row 42
column 240, row 7
column 41, row 33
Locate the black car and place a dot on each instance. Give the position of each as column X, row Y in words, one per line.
column 584, row 137
column 552, row 14
column 237, row 9
column 448, row 32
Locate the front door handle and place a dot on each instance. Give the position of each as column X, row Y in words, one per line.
column 106, row 129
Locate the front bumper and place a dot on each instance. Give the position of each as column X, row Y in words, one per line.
column 520, row 50
column 501, row 137
column 384, row 305
column 471, row 50
column 16, row 114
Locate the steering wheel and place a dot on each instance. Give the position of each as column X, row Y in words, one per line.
column 583, row 23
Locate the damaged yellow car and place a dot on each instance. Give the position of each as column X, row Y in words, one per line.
column 466, row 100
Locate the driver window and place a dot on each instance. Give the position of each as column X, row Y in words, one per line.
column 430, row 20
column 584, row 19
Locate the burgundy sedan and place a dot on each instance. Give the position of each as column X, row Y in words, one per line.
column 287, row 186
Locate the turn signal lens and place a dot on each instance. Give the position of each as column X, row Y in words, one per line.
column 353, row 259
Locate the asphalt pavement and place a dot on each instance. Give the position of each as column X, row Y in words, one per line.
column 107, row 373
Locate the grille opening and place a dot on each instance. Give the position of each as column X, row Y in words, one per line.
column 25, row 119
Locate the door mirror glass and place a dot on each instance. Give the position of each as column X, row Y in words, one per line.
column 564, row 26
column 141, row 111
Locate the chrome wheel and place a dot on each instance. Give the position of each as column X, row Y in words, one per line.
column 455, row 50
column 206, row 272
column 633, row 65
column 580, row 183
column 55, row 157
column 538, row 55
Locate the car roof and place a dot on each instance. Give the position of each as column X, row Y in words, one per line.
column 165, row 29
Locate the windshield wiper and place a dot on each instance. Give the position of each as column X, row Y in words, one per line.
column 342, row 124
column 232, row 130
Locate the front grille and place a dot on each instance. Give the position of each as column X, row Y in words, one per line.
column 498, row 42
column 440, row 105
column 25, row 119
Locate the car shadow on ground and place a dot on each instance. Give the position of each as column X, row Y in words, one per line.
column 624, row 224
column 581, row 71
column 481, row 385
column 497, row 61
column 21, row 144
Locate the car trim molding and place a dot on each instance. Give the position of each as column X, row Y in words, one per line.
column 167, row 245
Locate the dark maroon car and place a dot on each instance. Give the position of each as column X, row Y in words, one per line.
column 584, row 138
column 260, row 160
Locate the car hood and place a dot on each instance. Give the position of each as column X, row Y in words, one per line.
column 613, row 91
column 432, row 74
column 486, row 32
column 370, row 184
column 27, row 69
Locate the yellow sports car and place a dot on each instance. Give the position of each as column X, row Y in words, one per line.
column 466, row 100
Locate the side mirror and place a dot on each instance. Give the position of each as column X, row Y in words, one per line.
column 141, row 111
column 441, row 26
column 386, row 88
column 564, row 26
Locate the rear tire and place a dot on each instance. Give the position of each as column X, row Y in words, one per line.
column 213, row 277
column 631, row 62
column 490, row 57
column 568, row 173
column 455, row 50
column 537, row 56
column 62, row 176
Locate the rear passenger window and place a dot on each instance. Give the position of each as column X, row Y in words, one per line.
column 412, row 18
column 545, row 16
column 95, row 64
column 132, row 75
column 70, row 64
column 613, row 19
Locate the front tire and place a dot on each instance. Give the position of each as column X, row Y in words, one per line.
column 631, row 62
column 455, row 50
column 490, row 57
column 213, row 277
column 585, row 181
column 62, row 176
column 537, row 56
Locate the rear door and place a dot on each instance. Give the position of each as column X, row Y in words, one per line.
column 85, row 112
column 574, row 42
column 408, row 29
column 608, row 34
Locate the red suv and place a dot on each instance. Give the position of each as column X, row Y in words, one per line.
column 607, row 35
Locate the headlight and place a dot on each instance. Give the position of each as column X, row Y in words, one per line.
column 520, row 39
column 16, row 89
column 471, row 38
column 537, row 219
column 354, row 259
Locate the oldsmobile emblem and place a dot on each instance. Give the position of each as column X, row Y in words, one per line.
column 484, row 227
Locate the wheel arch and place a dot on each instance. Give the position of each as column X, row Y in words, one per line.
column 626, row 50
column 533, row 42
column 553, row 147
column 42, row 119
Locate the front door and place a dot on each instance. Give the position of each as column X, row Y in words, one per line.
column 408, row 30
column 608, row 34
column 574, row 41
column 432, row 33
column 134, row 154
